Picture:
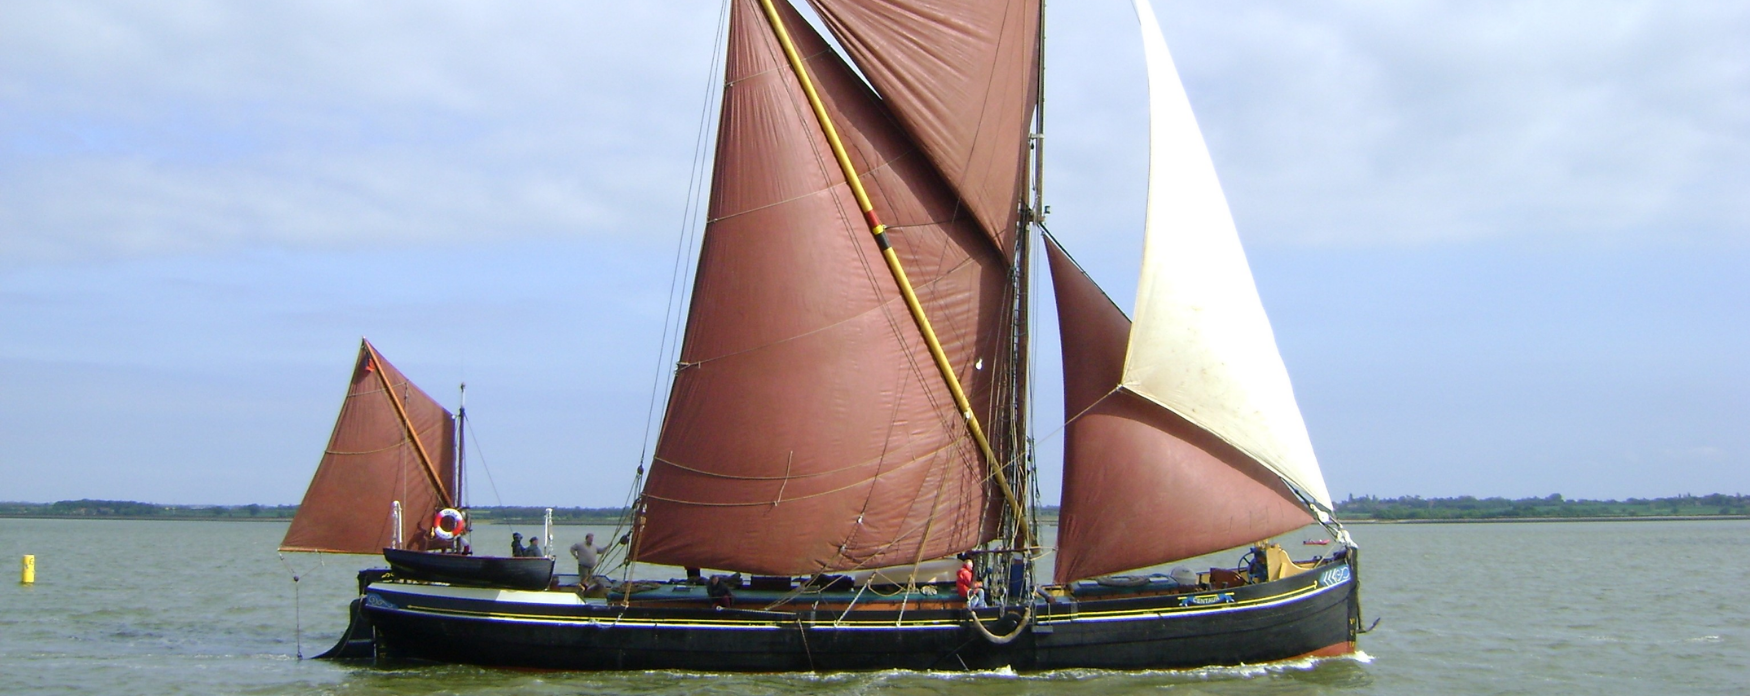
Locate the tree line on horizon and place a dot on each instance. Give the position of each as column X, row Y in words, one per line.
column 1354, row 508
column 1553, row 506
column 133, row 509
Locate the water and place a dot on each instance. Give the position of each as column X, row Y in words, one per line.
column 126, row 607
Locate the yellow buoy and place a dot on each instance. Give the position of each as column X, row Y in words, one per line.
column 28, row 576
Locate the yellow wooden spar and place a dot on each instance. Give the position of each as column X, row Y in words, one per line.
column 911, row 299
column 407, row 425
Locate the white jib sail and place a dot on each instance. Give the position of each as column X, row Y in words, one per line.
column 1201, row 345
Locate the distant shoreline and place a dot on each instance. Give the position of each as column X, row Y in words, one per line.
column 164, row 518
column 255, row 512
column 1043, row 520
column 1496, row 520
column 206, row 518
column 1354, row 510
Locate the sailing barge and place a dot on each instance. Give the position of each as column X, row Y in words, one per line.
column 849, row 412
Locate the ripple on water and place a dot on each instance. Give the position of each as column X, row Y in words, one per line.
column 1468, row 609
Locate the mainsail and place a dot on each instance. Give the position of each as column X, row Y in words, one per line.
column 391, row 443
column 1189, row 440
column 808, row 429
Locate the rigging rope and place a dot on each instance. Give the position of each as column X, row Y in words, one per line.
column 673, row 315
column 480, row 454
column 668, row 350
column 297, row 602
column 669, row 345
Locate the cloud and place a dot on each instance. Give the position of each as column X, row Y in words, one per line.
column 198, row 125
column 1353, row 123
column 192, row 126
column 1707, row 452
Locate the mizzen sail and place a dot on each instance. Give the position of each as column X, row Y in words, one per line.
column 391, row 443
column 1201, row 345
column 807, row 429
column 1141, row 485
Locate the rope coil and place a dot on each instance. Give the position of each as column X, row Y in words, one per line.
column 994, row 639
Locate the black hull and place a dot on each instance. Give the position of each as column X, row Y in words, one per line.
column 1316, row 613
column 358, row 642
column 476, row 571
column 1260, row 624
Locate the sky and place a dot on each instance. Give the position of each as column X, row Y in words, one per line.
column 1505, row 247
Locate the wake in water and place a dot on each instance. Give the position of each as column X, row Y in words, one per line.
column 1289, row 677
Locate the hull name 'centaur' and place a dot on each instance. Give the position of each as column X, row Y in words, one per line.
column 844, row 466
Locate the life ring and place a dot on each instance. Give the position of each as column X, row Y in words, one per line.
column 458, row 524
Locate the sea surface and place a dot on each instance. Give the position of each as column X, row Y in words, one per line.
column 1590, row 608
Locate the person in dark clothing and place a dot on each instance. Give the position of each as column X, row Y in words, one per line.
column 720, row 593
column 534, row 549
column 1017, row 577
column 516, row 545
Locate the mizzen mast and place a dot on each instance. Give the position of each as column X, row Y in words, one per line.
column 461, row 438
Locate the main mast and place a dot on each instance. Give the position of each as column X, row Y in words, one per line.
column 1032, row 213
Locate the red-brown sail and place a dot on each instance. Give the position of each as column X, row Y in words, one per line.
column 808, row 429
column 1142, row 486
column 960, row 76
column 371, row 462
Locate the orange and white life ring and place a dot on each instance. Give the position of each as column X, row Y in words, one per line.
column 449, row 524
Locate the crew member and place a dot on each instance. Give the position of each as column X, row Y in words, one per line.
column 586, row 554
column 963, row 580
column 721, row 594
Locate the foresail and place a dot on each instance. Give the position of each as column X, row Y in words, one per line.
column 1141, row 486
column 371, row 463
column 1201, row 345
column 960, row 77
column 807, row 429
